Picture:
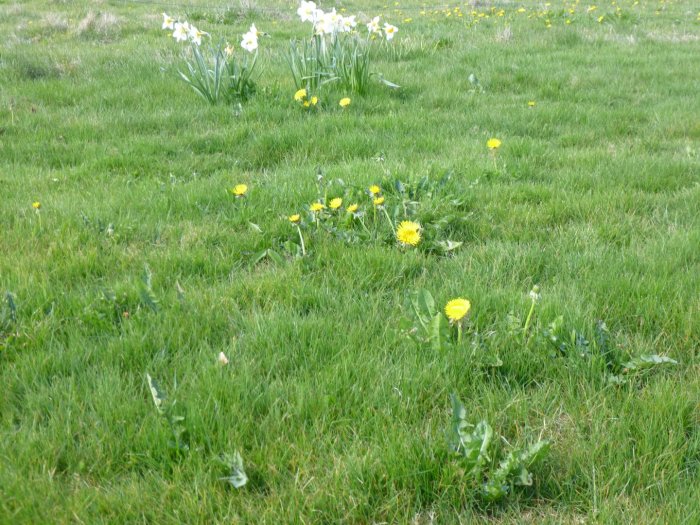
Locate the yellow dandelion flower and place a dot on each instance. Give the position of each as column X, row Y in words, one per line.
column 294, row 219
column 317, row 206
column 408, row 233
column 300, row 95
column 352, row 208
column 344, row 102
column 379, row 201
column 239, row 190
column 335, row 203
column 307, row 104
column 374, row 189
column 314, row 100
column 36, row 205
column 531, row 104
column 493, row 144
column 457, row 309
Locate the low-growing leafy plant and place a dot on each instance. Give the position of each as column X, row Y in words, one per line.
column 424, row 322
column 602, row 355
column 479, row 453
column 148, row 298
column 167, row 409
column 237, row 476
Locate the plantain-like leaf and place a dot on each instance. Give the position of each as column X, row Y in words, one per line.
column 448, row 246
column 471, row 445
column 648, row 361
column 238, row 477
column 534, row 453
column 439, row 331
column 156, row 393
column 147, row 295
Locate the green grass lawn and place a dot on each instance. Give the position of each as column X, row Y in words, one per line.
column 338, row 415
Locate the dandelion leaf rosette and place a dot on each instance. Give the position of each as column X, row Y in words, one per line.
column 237, row 477
column 472, row 445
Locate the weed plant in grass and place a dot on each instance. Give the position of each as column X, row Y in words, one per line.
column 129, row 266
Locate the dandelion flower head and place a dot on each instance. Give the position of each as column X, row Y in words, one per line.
column 457, row 309
column 493, row 143
column 239, row 190
column 408, row 233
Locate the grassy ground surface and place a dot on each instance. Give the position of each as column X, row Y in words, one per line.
column 338, row 416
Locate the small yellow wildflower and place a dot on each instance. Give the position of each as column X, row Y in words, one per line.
column 457, row 309
column 493, row 144
column 314, row 100
column 239, row 190
column 317, row 206
column 352, row 208
column 374, row 189
column 531, row 104
column 36, row 205
column 408, row 233
column 335, row 203
column 344, row 102
column 300, row 95
column 294, row 219
column 379, row 201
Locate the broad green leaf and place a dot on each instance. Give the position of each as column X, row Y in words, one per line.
column 648, row 361
column 438, row 332
column 148, row 298
column 238, row 477
column 424, row 303
column 494, row 491
column 388, row 84
column 534, row 452
column 156, row 393
column 448, row 246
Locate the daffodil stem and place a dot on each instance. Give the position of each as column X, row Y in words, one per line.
column 301, row 240
column 528, row 320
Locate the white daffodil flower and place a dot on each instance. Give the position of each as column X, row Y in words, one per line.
column 329, row 23
column 390, row 31
column 306, row 11
column 168, row 22
column 181, row 32
column 373, row 26
column 196, row 35
column 250, row 42
column 348, row 23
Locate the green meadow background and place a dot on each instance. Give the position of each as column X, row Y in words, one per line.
column 339, row 417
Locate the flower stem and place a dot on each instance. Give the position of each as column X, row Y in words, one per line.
column 301, row 240
column 459, row 333
column 527, row 321
column 386, row 214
